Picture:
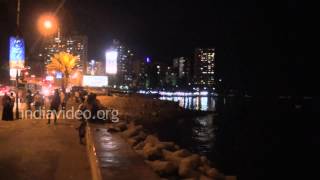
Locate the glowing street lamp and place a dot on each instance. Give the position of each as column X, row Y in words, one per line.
column 48, row 24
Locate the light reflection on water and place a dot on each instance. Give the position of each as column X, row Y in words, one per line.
column 200, row 136
column 203, row 134
column 203, row 103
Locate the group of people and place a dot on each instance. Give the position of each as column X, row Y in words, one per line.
column 37, row 99
column 8, row 104
column 58, row 99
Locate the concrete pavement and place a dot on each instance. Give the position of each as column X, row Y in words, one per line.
column 116, row 159
column 31, row 149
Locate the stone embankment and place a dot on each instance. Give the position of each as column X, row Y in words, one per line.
column 146, row 111
column 167, row 159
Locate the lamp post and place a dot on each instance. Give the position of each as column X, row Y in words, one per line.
column 17, row 96
column 17, row 69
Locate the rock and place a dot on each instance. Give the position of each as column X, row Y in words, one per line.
column 139, row 146
column 189, row 179
column 121, row 125
column 204, row 160
column 162, row 167
column 113, row 130
column 131, row 124
column 139, row 152
column 213, row 173
column 187, row 166
column 151, row 139
column 132, row 142
column 204, row 168
column 167, row 145
column 170, row 156
column 132, row 131
column 182, row 153
column 192, row 174
column 202, row 177
column 154, row 113
column 141, row 136
column 151, row 151
column 176, row 147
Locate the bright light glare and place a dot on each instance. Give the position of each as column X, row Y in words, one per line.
column 112, row 55
column 111, row 62
column 45, row 91
column 47, row 24
column 49, row 78
column 95, row 81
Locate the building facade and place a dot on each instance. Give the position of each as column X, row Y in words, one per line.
column 203, row 67
column 95, row 68
column 182, row 68
column 124, row 75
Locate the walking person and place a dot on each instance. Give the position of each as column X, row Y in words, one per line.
column 54, row 106
column 63, row 100
column 29, row 99
column 7, row 115
column 77, row 96
column 83, row 123
column 38, row 103
column 12, row 101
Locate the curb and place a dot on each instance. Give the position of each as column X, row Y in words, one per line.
column 92, row 155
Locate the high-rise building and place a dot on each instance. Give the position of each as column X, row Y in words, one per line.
column 124, row 76
column 179, row 64
column 170, row 77
column 204, row 67
column 75, row 45
column 141, row 73
column 182, row 67
column 95, row 68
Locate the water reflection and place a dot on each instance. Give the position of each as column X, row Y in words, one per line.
column 198, row 133
column 203, row 134
column 203, row 103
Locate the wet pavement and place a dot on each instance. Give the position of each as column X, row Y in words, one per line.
column 116, row 159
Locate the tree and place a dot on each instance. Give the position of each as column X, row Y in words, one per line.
column 64, row 63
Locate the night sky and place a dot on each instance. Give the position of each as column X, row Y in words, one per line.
column 251, row 38
column 162, row 29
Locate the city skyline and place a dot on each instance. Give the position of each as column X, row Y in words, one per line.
column 162, row 36
column 248, row 40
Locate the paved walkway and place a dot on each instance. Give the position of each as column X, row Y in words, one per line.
column 116, row 159
column 32, row 150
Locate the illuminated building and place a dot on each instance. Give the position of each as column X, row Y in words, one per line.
column 95, row 68
column 124, row 75
column 75, row 45
column 204, row 67
column 170, row 77
column 181, row 67
column 140, row 69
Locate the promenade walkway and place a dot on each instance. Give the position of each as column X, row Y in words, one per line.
column 116, row 159
column 33, row 150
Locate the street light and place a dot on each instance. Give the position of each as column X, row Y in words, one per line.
column 48, row 24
